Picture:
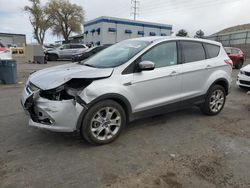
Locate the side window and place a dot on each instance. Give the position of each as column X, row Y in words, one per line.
column 162, row 55
column 212, row 50
column 74, row 46
column 66, row 46
column 193, row 51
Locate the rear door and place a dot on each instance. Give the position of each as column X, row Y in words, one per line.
column 196, row 69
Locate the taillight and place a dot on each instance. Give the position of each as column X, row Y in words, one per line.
column 229, row 62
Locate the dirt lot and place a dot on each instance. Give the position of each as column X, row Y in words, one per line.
column 181, row 149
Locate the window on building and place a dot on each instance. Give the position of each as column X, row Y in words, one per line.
column 128, row 31
column 112, row 30
column 141, row 33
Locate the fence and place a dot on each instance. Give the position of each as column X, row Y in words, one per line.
column 235, row 39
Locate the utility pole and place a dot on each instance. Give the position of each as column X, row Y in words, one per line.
column 135, row 8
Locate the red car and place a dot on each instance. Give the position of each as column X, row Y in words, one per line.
column 236, row 55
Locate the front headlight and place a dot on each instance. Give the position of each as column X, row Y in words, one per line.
column 242, row 72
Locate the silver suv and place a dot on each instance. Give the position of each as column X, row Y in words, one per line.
column 64, row 52
column 132, row 79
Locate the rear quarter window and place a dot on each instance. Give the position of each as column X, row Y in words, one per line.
column 212, row 50
column 193, row 51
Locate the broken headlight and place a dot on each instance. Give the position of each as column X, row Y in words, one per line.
column 68, row 91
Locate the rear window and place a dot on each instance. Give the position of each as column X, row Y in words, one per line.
column 228, row 50
column 212, row 50
column 235, row 51
column 193, row 51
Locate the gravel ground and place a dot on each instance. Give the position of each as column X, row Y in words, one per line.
column 180, row 149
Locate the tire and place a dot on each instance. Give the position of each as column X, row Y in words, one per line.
column 239, row 64
column 215, row 100
column 52, row 57
column 97, row 126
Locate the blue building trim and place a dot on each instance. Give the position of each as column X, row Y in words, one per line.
column 127, row 23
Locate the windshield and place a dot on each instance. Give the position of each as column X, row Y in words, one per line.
column 117, row 54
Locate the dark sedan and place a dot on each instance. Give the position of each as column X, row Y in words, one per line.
column 91, row 51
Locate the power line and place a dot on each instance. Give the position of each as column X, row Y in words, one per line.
column 184, row 6
column 135, row 8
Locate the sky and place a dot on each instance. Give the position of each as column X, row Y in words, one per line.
column 209, row 15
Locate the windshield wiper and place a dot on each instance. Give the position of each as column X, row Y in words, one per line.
column 89, row 65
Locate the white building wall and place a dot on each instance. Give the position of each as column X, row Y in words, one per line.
column 107, row 37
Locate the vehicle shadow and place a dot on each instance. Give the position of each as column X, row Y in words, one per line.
column 75, row 140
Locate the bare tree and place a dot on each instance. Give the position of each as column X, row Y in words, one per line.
column 66, row 17
column 38, row 19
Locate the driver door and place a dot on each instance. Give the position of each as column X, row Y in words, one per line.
column 161, row 86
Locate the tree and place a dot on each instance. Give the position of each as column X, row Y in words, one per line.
column 38, row 19
column 199, row 34
column 66, row 17
column 182, row 33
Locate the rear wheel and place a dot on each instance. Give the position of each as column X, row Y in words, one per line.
column 103, row 122
column 214, row 101
column 239, row 64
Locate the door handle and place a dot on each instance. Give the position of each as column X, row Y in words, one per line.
column 174, row 73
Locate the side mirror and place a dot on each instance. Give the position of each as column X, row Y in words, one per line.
column 228, row 53
column 146, row 65
column 61, row 48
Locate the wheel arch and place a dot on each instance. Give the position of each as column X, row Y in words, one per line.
column 125, row 104
column 223, row 82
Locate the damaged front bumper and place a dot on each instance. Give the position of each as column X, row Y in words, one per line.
column 59, row 116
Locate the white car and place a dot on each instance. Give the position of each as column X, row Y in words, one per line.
column 132, row 79
column 4, row 52
column 243, row 79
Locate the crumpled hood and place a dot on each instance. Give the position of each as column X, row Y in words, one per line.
column 53, row 77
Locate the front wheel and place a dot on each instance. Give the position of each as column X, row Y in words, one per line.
column 215, row 100
column 103, row 122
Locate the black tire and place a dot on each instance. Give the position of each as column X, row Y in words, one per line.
column 52, row 57
column 205, row 107
column 239, row 64
column 86, row 132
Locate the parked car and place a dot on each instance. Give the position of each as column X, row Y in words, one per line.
column 236, row 55
column 5, row 53
column 132, row 79
column 91, row 51
column 65, row 51
column 243, row 79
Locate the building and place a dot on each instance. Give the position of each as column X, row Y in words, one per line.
column 237, row 36
column 10, row 39
column 108, row 30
